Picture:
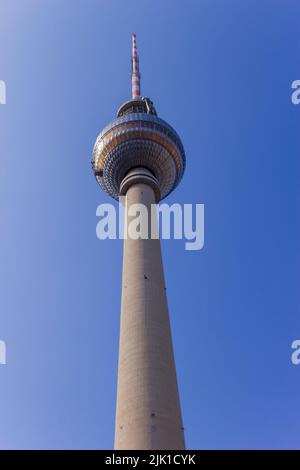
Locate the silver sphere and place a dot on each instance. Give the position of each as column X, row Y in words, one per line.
column 138, row 138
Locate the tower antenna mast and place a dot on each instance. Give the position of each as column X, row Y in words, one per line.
column 135, row 71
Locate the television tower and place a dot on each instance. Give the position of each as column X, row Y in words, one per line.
column 140, row 156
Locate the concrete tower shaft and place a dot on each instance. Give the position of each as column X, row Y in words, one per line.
column 148, row 409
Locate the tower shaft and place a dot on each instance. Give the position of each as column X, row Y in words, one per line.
column 148, row 412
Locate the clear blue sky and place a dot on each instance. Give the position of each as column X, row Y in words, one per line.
column 220, row 73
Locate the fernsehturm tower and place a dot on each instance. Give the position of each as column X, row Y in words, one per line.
column 141, row 157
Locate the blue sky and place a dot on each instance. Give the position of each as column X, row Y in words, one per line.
column 220, row 73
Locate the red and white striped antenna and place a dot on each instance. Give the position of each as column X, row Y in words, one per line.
column 135, row 71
